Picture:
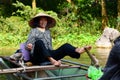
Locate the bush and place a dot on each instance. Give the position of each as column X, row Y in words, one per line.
column 15, row 28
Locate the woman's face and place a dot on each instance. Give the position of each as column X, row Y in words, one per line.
column 43, row 22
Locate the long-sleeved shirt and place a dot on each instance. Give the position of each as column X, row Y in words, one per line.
column 36, row 34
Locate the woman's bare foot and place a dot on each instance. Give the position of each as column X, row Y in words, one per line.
column 56, row 63
column 82, row 50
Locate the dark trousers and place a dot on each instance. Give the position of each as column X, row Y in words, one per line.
column 112, row 68
column 41, row 53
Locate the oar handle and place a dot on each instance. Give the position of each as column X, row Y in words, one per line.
column 93, row 58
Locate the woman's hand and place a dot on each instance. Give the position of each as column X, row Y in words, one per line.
column 29, row 46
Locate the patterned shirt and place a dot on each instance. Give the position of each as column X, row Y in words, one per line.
column 36, row 34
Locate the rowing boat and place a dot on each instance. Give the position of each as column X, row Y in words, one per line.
column 69, row 70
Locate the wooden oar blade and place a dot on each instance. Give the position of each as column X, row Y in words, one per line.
column 92, row 57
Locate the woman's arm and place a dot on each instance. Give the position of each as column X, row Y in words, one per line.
column 31, row 39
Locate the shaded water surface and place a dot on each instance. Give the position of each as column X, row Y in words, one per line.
column 102, row 55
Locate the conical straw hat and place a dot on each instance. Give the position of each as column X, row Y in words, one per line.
column 34, row 21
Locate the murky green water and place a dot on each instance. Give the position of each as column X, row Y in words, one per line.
column 101, row 54
column 7, row 51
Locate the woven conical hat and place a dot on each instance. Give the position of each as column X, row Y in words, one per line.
column 51, row 20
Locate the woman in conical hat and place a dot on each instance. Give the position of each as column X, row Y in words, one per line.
column 35, row 20
column 39, row 42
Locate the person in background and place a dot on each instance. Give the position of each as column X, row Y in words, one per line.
column 112, row 67
column 39, row 42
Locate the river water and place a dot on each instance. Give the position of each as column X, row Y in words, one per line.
column 100, row 53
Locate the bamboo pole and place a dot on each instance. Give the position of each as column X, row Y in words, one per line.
column 35, row 68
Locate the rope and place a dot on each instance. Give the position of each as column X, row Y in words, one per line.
column 21, row 62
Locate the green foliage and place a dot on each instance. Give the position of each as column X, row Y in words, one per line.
column 11, row 40
column 75, row 39
column 74, row 27
column 14, row 25
column 26, row 12
column 23, row 11
column 16, row 32
column 112, row 22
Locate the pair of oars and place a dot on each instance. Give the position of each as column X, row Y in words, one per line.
column 93, row 58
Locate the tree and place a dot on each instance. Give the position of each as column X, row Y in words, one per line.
column 69, row 1
column 34, row 5
column 104, row 14
column 118, row 7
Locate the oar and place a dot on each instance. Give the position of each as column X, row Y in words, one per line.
column 92, row 57
column 94, row 72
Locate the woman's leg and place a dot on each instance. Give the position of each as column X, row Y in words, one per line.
column 40, row 53
column 67, row 50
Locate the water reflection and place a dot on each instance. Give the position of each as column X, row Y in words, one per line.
column 102, row 55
